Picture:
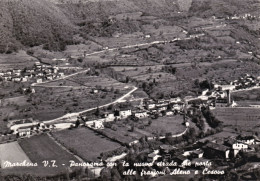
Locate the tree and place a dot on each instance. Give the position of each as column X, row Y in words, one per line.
column 132, row 128
column 77, row 123
column 105, row 174
column 97, row 112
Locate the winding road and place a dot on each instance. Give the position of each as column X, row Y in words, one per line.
column 71, row 117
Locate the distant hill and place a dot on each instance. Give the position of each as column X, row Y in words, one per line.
column 31, row 23
column 92, row 9
column 52, row 22
column 222, row 8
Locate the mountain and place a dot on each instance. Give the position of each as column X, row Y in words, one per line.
column 32, row 23
column 52, row 23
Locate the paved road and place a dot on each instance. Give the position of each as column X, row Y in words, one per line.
column 144, row 44
column 62, row 78
column 73, row 116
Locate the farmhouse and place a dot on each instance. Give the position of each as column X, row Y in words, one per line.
column 16, row 78
column 24, row 131
column 98, row 124
column 29, row 70
column 94, row 91
column 49, row 77
column 150, row 106
column 240, row 146
column 9, row 72
column 216, row 150
column 198, row 153
column 24, row 79
column 180, row 159
column 249, row 140
column 17, row 72
column 236, row 145
column 162, row 108
column 140, row 114
column 125, row 113
column 164, row 149
column 177, row 107
column 169, row 113
column 175, row 100
column 39, row 80
column 61, row 74
column 6, row 77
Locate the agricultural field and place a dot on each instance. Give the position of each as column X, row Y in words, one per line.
column 86, row 81
column 244, row 118
column 162, row 125
column 120, row 40
column 49, row 103
column 123, row 133
column 16, row 60
column 227, row 132
column 42, row 148
column 80, row 49
column 251, row 96
column 12, row 152
column 9, row 110
column 85, row 143
column 158, row 77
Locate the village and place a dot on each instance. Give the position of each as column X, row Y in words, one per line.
column 217, row 152
column 38, row 73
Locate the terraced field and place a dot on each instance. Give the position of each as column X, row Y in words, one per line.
column 244, row 118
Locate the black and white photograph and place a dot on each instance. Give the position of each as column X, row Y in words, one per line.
column 129, row 90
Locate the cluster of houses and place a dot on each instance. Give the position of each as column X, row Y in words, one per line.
column 149, row 108
column 220, row 96
column 38, row 73
column 30, row 130
column 244, row 82
column 245, row 16
column 201, row 154
column 36, row 127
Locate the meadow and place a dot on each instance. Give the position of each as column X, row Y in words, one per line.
column 85, row 143
column 42, row 148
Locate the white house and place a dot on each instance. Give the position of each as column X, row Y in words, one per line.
column 176, row 107
column 249, row 140
column 98, row 124
column 125, row 113
column 24, row 131
column 61, row 74
column 39, row 80
column 49, row 77
column 141, row 114
column 151, row 106
column 169, row 113
column 175, row 100
column 198, row 153
column 16, row 79
column 109, row 117
column 162, row 108
column 24, row 79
